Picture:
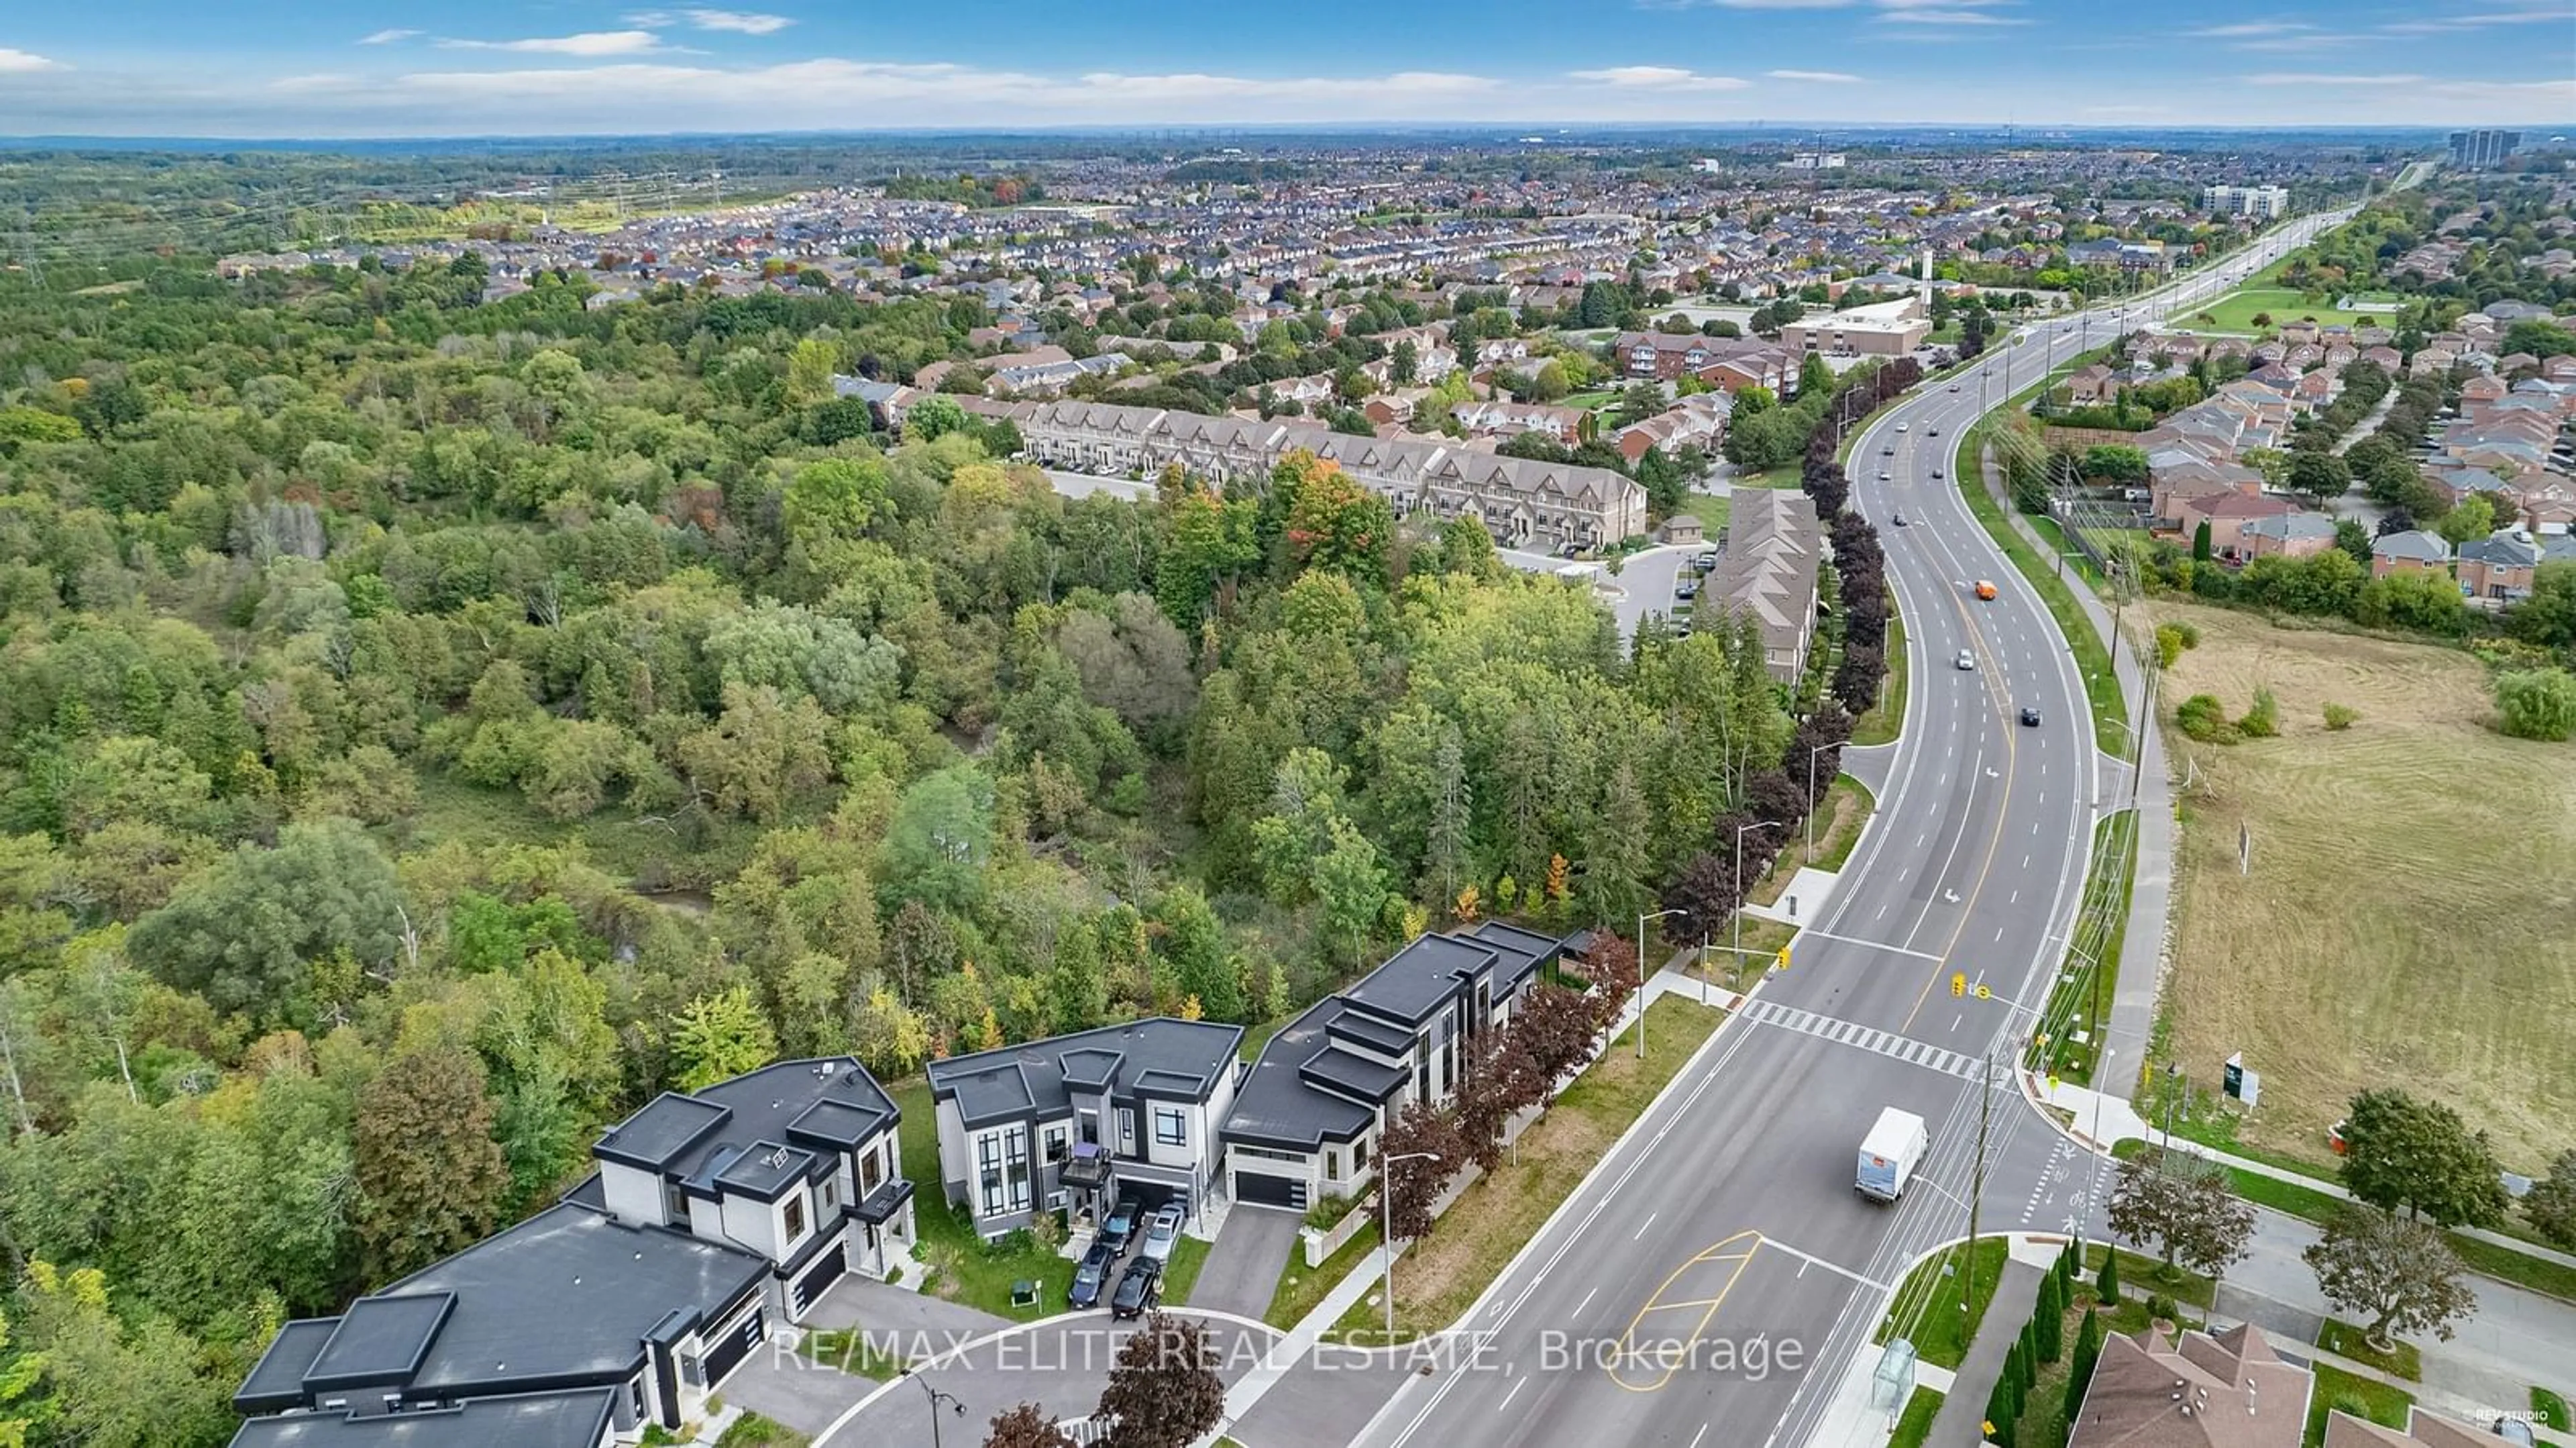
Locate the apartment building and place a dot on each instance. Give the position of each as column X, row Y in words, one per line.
column 1767, row 575
column 1522, row 502
column 2263, row 203
column 1881, row 329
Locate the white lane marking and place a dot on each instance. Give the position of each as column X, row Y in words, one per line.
column 1586, row 1302
column 1814, row 934
column 1695, row 1437
column 1517, row 1385
column 1642, row 1226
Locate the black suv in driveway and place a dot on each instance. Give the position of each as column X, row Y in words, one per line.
column 1120, row 1224
column 1092, row 1276
column 1140, row 1291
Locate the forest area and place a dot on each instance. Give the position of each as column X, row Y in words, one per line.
column 430, row 728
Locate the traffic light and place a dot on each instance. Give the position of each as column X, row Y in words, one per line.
column 1958, row 982
column 1784, row 958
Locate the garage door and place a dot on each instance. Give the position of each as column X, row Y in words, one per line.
column 735, row 1346
column 818, row 1279
column 1264, row 1190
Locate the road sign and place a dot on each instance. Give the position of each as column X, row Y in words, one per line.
column 1958, row 982
column 1985, row 992
column 2234, row 1076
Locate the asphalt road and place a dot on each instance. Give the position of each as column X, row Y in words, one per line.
column 1724, row 1229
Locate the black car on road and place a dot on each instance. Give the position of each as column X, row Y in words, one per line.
column 1140, row 1290
column 2030, row 716
column 1091, row 1276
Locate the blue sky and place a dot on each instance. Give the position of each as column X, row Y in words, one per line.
column 472, row 67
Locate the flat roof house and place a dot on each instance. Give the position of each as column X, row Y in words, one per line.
column 711, row 1216
column 1307, row 1115
column 1076, row 1121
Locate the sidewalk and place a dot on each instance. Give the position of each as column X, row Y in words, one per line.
column 1961, row 1421
column 2143, row 942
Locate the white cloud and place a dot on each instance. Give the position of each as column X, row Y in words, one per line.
column 2480, row 20
column 1781, row 4
column 2126, row 110
column 740, row 22
column 387, row 37
column 17, row 62
column 1943, row 15
column 1658, row 77
column 588, row 43
column 1817, row 77
column 2310, row 77
column 2247, row 28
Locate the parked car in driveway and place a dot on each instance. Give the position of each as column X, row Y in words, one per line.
column 1140, row 1290
column 1162, row 1233
column 1120, row 1224
column 1091, row 1276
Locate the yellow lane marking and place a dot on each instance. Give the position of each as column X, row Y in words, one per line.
column 1734, row 1253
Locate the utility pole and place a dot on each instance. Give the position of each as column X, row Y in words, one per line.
column 1977, row 1178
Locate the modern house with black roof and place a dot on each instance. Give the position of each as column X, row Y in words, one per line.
column 1307, row 1116
column 1074, row 1122
column 713, row 1217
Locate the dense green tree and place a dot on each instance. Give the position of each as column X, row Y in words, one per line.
column 2405, row 1154
column 430, row 1177
column 246, row 933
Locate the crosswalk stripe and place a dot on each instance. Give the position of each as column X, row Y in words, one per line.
column 1852, row 1033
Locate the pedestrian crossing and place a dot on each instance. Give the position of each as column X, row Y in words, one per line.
column 1852, row 1033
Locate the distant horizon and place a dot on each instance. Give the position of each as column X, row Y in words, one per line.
column 1547, row 132
column 394, row 70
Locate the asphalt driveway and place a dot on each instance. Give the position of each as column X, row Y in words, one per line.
column 1242, row 1267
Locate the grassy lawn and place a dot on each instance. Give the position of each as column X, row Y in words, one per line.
column 1301, row 1291
column 1916, row 1424
column 2142, row 1277
column 970, row 1270
column 1258, row 1035
column 1779, row 477
column 2092, row 660
column 2326, row 964
column 1181, row 1273
column 1846, row 809
column 1762, row 940
column 2345, row 1340
column 2235, row 312
column 1930, row 1309
column 2309, row 1204
column 2091, row 971
column 1712, row 512
column 849, row 1350
column 2361, row 1397
column 1439, row 1277
column 754, row 1431
column 2551, row 1410
column 1887, row 717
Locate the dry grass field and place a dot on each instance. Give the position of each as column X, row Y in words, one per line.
column 2410, row 918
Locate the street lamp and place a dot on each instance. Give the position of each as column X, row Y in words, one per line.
column 938, row 1400
column 1641, row 975
column 1386, row 1224
column 1740, row 832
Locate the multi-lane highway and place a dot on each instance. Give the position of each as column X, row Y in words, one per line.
column 1722, row 1237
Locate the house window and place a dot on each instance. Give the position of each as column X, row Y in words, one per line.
column 1359, row 1155
column 1088, row 1124
column 988, row 1172
column 831, row 1193
column 1058, row 1146
column 1127, row 1130
column 1332, row 1163
column 635, row 1397
column 1015, row 1165
column 796, row 1218
column 1171, row 1128
column 675, row 1205
column 871, row 1170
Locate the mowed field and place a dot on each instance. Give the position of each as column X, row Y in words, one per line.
column 2410, row 918
column 2235, row 312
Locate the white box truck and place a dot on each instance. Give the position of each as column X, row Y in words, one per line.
column 1890, row 1153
